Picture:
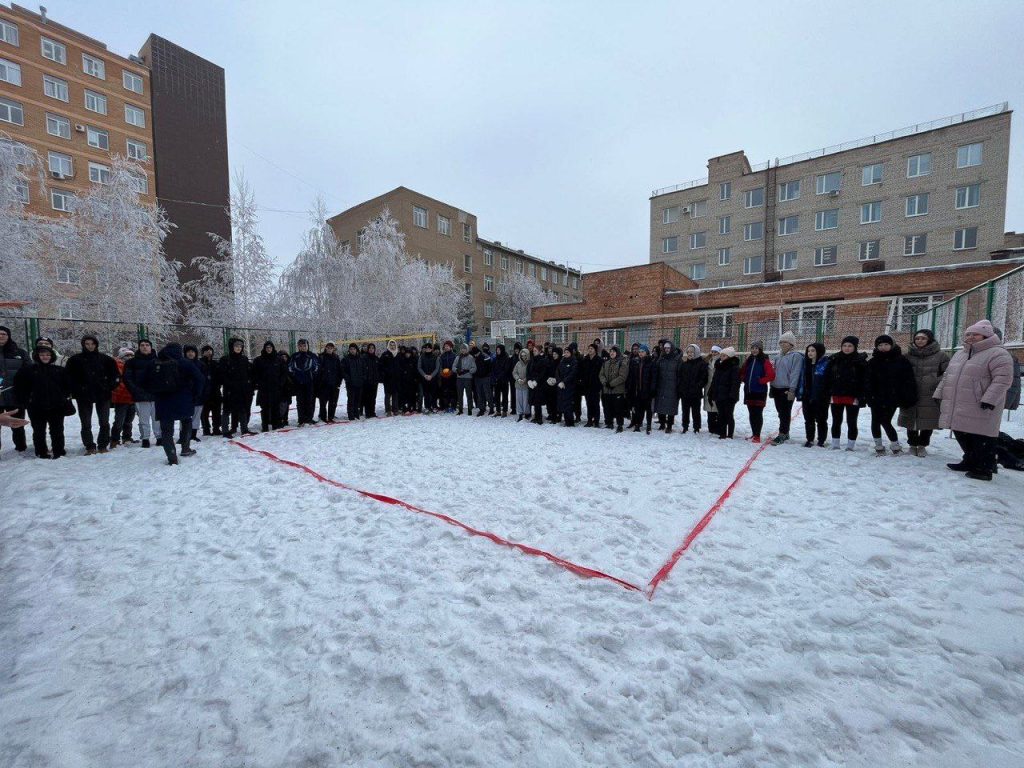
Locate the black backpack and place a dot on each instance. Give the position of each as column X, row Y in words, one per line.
column 165, row 377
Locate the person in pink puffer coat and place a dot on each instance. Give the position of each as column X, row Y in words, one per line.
column 972, row 395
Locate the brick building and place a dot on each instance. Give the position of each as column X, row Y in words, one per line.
column 441, row 233
column 927, row 195
column 78, row 104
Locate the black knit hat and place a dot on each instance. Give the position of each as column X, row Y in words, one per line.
column 851, row 340
column 927, row 333
column 885, row 339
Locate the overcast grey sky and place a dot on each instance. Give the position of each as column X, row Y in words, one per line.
column 553, row 121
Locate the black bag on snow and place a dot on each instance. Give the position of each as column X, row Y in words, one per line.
column 1010, row 452
column 164, row 377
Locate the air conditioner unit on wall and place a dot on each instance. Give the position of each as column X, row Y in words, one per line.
column 58, row 175
column 686, row 209
column 79, row 128
column 834, row 193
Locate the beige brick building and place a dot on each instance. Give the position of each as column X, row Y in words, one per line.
column 444, row 234
column 930, row 194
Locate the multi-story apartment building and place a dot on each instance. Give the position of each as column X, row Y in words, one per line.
column 78, row 105
column 930, row 194
column 441, row 233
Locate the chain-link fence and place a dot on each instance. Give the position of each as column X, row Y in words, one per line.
column 1001, row 301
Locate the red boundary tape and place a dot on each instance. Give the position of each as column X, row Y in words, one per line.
column 579, row 570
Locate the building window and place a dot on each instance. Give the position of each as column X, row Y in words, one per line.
column 668, row 245
column 871, row 213
column 467, row 233
column 97, row 138
column 10, row 72
column 724, row 256
column 753, row 265
column 698, row 240
column 55, row 88
column 826, row 220
column 134, row 116
column 724, row 225
column 137, row 151
column 488, row 257
column 533, row 270
column 60, row 164
column 444, row 225
column 789, row 225
column 503, row 262
column 419, row 217
column 53, row 51
column 22, row 191
column 559, row 332
column 58, row 126
column 96, row 102
column 469, row 290
column 488, row 309
column 467, row 263
column 68, row 274
column 828, row 182
column 753, row 231
column 670, row 215
column 871, row 174
column 699, row 209
column 554, row 277
column 915, row 245
column 68, row 311
column 140, row 183
column 9, row 33
column 969, row 196
column 868, row 250
column 698, row 271
column 903, row 309
column 805, row 319
column 965, row 238
column 93, row 67
column 725, row 190
column 724, row 283
column 715, row 325
column 99, row 174
column 543, row 273
column 60, row 200
column 565, row 278
column 787, row 261
column 917, row 205
column 613, row 337
column 753, row 198
column 489, row 283
column 789, row 190
column 968, row 155
column 826, row 256
column 131, row 82
column 575, row 283
column 11, row 112
column 919, row 165
column 519, row 266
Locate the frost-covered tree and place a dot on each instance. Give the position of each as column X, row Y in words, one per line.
column 26, row 240
column 235, row 288
column 517, row 294
column 116, row 243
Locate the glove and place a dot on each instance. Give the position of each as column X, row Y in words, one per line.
column 987, row 407
column 791, row 395
column 531, row 384
column 561, row 385
column 551, row 381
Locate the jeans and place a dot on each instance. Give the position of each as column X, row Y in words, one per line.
column 851, row 412
column 691, row 408
column 614, row 409
column 881, row 418
column 501, row 397
column 429, row 392
column 102, row 415
column 726, row 420
column 306, row 402
column 329, row 405
column 513, row 397
column 197, row 418
column 464, row 385
column 523, row 402
column 483, row 393
column 641, row 412
column 211, row 412
column 756, row 414
column 148, row 425
column 369, row 398
column 447, row 394
column 392, row 395
column 41, row 419
column 124, row 413
column 784, row 406
column 167, row 435
column 979, row 451
column 816, row 421
column 593, row 407
column 353, row 396
column 919, row 437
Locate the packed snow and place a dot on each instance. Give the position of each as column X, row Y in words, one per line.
column 839, row 610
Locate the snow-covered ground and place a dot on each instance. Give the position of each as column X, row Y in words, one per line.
column 840, row 609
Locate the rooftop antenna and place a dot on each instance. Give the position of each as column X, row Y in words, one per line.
column 42, row 12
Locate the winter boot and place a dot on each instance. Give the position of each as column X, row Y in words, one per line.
column 922, row 451
column 636, row 428
column 879, row 448
column 618, row 429
column 979, row 474
column 960, row 466
column 808, row 444
column 648, row 429
column 836, row 444
column 780, row 438
column 851, row 445
column 896, row 448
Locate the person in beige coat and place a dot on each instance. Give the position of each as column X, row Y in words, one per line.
column 972, row 395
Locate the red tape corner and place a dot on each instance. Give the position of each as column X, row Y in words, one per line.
column 579, row 570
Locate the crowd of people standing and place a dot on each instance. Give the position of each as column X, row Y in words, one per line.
column 189, row 389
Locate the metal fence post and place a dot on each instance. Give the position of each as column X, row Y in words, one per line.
column 990, row 299
column 677, row 335
column 819, row 330
column 956, row 323
column 742, row 337
column 227, row 339
column 31, row 332
column 291, row 342
column 141, row 332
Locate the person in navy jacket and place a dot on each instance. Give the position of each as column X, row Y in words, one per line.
column 756, row 374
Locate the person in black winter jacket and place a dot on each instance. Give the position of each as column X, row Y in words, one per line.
column 725, row 391
column 353, row 371
column 590, row 385
column 328, row 383
column 846, row 384
column 501, row 375
column 388, row 367
column 269, row 377
column 12, row 360
column 45, row 391
column 371, row 372
column 693, row 377
column 136, row 371
column 566, row 379
column 574, row 350
column 303, row 369
column 428, row 367
column 408, row 380
column 447, row 387
column 93, row 376
column 482, row 392
column 284, row 402
column 538, row 370
column 890, row 384
column 640, row 388
column 214, row 402
column 179, row 403
column 235, row 374
column 192, row 354
column 554, row 357
column 812, row 392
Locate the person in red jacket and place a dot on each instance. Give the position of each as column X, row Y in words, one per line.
column 757, row 373
column 124, row 405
